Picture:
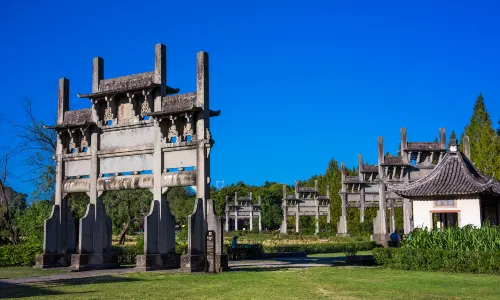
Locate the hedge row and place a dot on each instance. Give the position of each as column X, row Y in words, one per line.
column 25, row 254
column 487, row 262
column 312, row 248
column 19, row 255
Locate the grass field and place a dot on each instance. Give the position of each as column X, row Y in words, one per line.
column 311, row 283
column 20, row 272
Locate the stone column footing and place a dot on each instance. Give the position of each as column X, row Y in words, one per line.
column 191, row 263
column 94, row 261
column 380, row 239
column 151, row 262
column 342, row 226
column 44, row 261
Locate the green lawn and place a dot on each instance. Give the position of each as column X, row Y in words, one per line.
column 311, row 283
column 19, row 272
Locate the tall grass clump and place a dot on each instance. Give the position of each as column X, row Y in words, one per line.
column 467, row 238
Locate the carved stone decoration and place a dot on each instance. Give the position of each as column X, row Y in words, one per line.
column 108, row 113
column 145, row 109
column 188, row 127
column 172, row 131
column 72, row 143
column 83, row 143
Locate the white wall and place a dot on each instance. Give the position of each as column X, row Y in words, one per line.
column 422, row 217
column 468, row 212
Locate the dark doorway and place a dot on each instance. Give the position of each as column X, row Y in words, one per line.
column 489, row 210
column 444, row 220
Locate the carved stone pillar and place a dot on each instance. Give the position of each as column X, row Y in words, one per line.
column 297, row 218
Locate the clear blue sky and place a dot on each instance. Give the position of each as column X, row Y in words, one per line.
column 297, row 82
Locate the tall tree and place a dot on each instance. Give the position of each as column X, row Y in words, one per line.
column 181, row 202
column 127, row 209
column 12, row 204
column 482, row 138
column 37, row 145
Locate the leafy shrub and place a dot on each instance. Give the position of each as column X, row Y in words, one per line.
column 467, row 238
column 352, row 249
column 127, row 254
column 487, row 262
column 312, row 248
column 19, row 255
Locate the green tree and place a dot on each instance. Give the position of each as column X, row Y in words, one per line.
column 483, row 141
column 271, row 211
column 127, row 209
column 181, row 202
column 32, row 219
column 12, row 205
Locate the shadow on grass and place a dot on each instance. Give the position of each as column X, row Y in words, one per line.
column 276, row 264
column 17, row 290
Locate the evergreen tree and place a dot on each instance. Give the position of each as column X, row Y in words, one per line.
column 482, row 138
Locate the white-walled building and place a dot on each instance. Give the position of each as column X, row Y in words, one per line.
column 455, row 193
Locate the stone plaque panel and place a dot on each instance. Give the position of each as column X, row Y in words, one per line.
column 129, row 163
column 183, row 158
column 127, row 138
column 77, row 167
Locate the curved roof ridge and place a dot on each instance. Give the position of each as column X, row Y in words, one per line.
column 454, row 175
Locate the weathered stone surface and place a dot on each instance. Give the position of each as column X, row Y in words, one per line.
column 368, row 189
column 78, row 117
column 193, row 262
column 43, row 261
column 305, row 202
column 159, row 226
column 116, row 145
column 93, row 261
column 242, row 208
column 151, row 262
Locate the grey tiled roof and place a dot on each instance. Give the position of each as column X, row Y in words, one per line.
column 127, row 83
column 424, row 146
column 179, row 102
column 292, row 197
column 455, row 175
column 370, row 168
column 394, row 161
column 323, row 198
column 130, row 82
column 77, row 117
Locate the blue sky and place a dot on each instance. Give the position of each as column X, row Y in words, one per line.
column 297, row 82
